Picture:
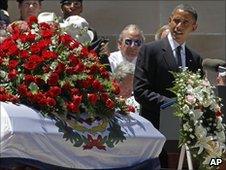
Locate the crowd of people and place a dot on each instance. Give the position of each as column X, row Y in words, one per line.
column 143, row 69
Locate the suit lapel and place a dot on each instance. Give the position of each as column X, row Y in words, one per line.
column 168, row 55
column 189, row 58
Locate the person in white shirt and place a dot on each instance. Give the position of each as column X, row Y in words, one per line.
column 122, row 62
column 129, row 43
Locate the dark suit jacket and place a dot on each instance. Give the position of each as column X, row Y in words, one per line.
column 152, row 78
column 222, row 95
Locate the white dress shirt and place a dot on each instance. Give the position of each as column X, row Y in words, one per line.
column 174, row 46
column 116, row 58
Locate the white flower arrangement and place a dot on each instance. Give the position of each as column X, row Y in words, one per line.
column 202, row 129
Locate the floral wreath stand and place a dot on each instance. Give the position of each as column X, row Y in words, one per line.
column 202, row 134
column 185, row 149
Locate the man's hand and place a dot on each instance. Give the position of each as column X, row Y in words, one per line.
column 104, row 50
column 221, row 79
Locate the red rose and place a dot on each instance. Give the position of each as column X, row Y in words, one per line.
column 93, row 54
column 13, row 64
column 39, row 97
column 24, row 54
column 60, row 68
column 50, row 101
column 44, row 26
column 30, row 65
column 47, row 55
column 66, row 39
column 77, row 99
column 22, row 89
column 54, row 91
column 131, row 109
column 46, row 33
column 3, row 97
column 84, row 52
column 28, row 79
column 2, row 90
column 35, row 49
column 36, row 59
column 44, row 43
column 31, row 37
column 74, row 45
column 73, row 60
column 105, row 74
column 72, row 107
column 6, row 44
column 13, row 50
column 110, row 104
column 75, row 91
column 105, row 96
column 43, row 101
column 97, row 85
column 32, row 20
column 12, row 74
column 89, row 79
column 23, row 38
column 92, row 97
column 79, row 68
column 53, row 79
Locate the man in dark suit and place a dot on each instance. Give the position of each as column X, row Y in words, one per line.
column 153, row 78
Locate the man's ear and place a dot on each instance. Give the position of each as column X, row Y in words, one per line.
column 119, row 44
column 195, row 26
column 169, row 20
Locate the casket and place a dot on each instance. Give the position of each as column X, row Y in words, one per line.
column 29, row 137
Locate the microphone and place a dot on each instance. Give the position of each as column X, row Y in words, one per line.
column 216, row 65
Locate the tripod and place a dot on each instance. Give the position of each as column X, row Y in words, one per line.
column 185, row 149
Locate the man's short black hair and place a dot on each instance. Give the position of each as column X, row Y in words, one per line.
column 20, row 1
column 188, row 8
column 65, row 1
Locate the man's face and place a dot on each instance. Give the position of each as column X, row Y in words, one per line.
column 29, row 8
column 130, row 44
column 71, row 7
column 181, row 23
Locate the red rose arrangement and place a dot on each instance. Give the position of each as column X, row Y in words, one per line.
column 45, row 68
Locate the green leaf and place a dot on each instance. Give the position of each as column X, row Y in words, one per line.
column 34, row 88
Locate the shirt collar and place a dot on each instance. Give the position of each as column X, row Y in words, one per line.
column 174, row 44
